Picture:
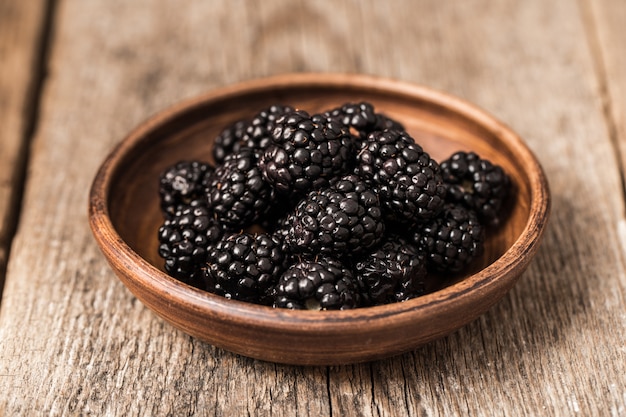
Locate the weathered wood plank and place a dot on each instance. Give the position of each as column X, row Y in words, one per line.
column 74, row 341
column 605, row 24
column 21, row 26
column 531, row 66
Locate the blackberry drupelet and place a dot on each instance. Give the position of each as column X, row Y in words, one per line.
column 476, row 183
column 254, row 134
column 321, row 284
column 408, row 180
column 181, row 183
column 452, row 240
column 306, row 152
column 341, row 220
column 184, row 238
column 237, row 192
column 245, row 267
column 394, row 271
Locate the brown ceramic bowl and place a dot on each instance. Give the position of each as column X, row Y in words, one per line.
column 124, row 216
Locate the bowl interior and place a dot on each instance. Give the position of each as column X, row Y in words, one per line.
column 188, row 133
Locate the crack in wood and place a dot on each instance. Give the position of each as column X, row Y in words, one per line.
column 32, row 96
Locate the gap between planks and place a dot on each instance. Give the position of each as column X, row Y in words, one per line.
column 33, row 92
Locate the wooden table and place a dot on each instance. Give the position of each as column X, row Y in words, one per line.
column 76, row 76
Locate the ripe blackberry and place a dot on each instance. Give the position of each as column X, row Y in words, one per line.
column 452, row 240
column 476, row 183
column 245, row 267
column 237, row 192
column 306, row 152
column 394, row 271
column 181, row 183
column 254, row 133
column 259, row 132
column 343, row 219
column 321, row 284
column 229, row 141
column 184, row 238
column 362, row 118
column 408, row 180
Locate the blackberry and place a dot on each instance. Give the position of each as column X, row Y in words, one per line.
column 237, row 192
column 245, row 267
column 181, row 183
column 452, row 240
column 359, row 116
column 343, row 219
column 259, row 132
column 476, row 183
column 394, row 271
column 280, row 227
column 229, row 141
column 306, row 152
column 362, row 118
column 254, row 134
column 408, row 180
column 321, row 284
column 184, row 238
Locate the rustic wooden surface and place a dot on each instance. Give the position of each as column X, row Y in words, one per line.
column 75, row 342
column 21, row 45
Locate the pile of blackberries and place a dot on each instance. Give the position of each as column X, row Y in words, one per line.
column 334, row 210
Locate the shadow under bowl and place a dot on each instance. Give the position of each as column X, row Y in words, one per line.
column 124, row 215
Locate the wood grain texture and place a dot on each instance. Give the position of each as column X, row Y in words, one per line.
column 74, row 341
column 605, row 26
column 21, row 26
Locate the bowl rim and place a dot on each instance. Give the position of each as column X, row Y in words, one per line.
column 499, row 274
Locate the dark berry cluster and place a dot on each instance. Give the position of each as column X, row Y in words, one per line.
column 327, row 211
column 306, row 152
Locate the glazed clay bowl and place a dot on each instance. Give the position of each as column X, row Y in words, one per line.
column 124, row 216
